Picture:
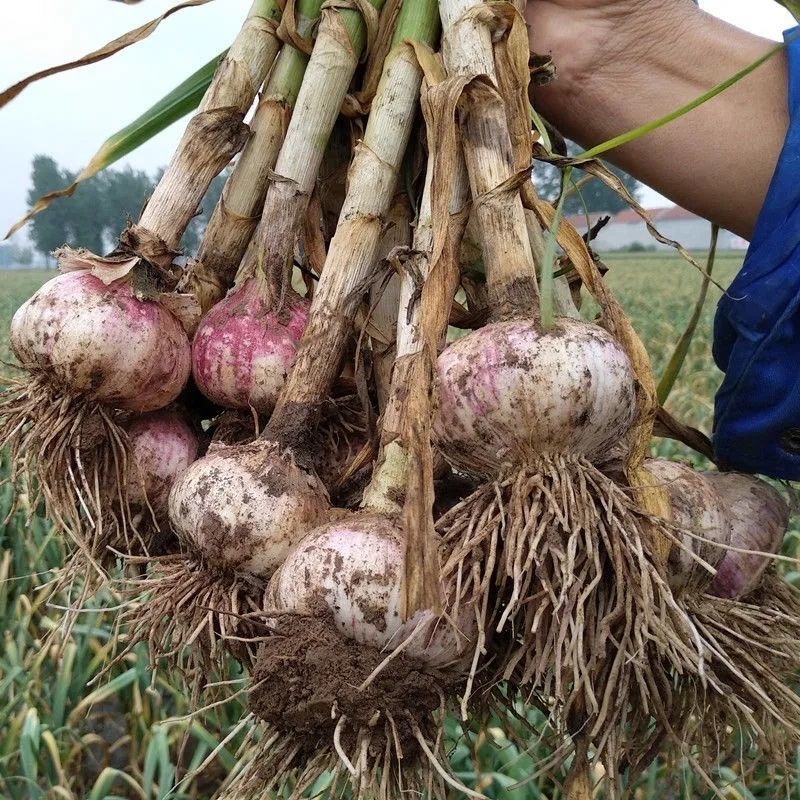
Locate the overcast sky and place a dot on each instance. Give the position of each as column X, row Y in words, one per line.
column 68, row 116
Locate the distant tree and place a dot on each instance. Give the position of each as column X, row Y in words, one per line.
column 190, row 240
column 12, row 255
column 24, row 256
column 49, row 229
column 212, row 196
column 126, row 191
column 194, row 232
column 124, row 194
column 76, row 221
column 85, row 215
column 594, row 195
column 101, row 207
column 6, row 255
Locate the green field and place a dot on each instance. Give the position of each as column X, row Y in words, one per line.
column 659, row 293
column 70, row 732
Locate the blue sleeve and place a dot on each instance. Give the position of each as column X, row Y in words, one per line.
column 757, row 324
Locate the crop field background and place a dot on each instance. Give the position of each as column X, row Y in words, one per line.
column 72, row 730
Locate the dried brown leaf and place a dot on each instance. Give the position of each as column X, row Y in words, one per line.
column 107, row 270
column 376, row 57
column 369, row 15
column 184, row 307
column 313, row 240
column 439, row 105
column 512, row 58
column 421, row 584
column 667, row 426
column 287, row 30
column 107, row 50
column 597, row 169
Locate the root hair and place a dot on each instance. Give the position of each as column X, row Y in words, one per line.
column 374, row 767
column 193, row 618
column 579, row 600
column 748, row 704
column 72, row 453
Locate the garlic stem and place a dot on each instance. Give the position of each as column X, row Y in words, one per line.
column 217, row 131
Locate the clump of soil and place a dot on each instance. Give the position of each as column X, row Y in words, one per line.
column 307, row 676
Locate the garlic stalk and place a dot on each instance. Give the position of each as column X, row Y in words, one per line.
column 385, row 299
column 216, row 132
column 237, row 212
column 371, row 186
column 341, row 38
column 467, row 51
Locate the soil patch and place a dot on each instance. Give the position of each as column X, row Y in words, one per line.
column 307, row 676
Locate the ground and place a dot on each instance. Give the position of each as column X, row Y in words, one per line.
column 64, row 736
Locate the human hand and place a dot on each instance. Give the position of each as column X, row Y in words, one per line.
column 623, row 63
column 587, row 38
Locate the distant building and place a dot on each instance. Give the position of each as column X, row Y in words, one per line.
column 627, row 230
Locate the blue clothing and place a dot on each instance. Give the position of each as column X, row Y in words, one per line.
column 757, row 325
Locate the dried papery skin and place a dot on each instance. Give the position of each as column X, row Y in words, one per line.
column 213, row 136
column 508, row 393
column 243, row 349
column 469, row 29
column 102, row 342
column 697, row 509
column 240, row 509
column 403, row 478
